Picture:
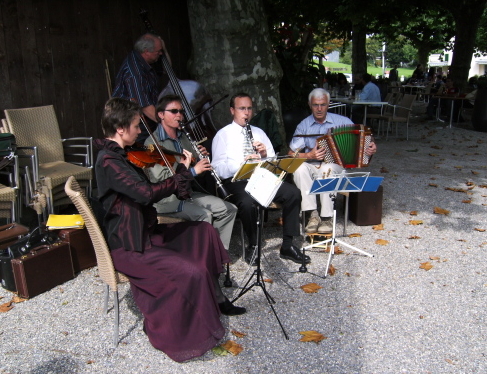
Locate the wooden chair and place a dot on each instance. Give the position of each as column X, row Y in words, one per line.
column 36, row 129
column 107, row 271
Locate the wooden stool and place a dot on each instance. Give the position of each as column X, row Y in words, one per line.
column 319, row 237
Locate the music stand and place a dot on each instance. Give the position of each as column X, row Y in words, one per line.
column 341, row 183
column 261, row 201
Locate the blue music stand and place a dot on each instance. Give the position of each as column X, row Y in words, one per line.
column 342, row 183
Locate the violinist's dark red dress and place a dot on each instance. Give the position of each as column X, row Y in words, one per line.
column 171, row 267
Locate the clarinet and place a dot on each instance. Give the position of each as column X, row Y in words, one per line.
column 220, row 188
column 248, row 130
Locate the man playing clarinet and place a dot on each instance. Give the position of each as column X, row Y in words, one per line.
column 317, row 124
column 232, row 146
column 202, row 206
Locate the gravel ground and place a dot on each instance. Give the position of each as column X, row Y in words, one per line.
column 381, row 314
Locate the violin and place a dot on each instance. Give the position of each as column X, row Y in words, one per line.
column 148, row 156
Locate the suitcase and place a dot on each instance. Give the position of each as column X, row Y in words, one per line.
column 21, row 247
column 365, row 208
column 10, row 233
column 82, row 250
column 42, row 269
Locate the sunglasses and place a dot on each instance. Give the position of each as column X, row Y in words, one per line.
column 175, row 111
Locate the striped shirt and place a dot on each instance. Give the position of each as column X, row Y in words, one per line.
column 137, row 80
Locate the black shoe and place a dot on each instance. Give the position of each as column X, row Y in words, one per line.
column 294, row 254
column 249, row 252
column 227, row 308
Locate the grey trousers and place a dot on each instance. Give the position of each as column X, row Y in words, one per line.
column 213, row 210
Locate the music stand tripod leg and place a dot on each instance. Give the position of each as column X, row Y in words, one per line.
column 258, row 273
column 334, row 239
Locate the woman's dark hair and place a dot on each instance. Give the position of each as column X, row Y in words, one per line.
column 341, row 78
column 118, row 114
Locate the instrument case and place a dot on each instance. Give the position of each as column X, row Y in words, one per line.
column 365, row 208
column 10, row 233
column 42, row 269
column 80, row 244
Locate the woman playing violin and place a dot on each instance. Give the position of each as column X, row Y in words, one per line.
column 173, row 268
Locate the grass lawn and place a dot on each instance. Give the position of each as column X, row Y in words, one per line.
column 372, row 70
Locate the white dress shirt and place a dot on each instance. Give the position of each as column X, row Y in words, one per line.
column 228, row 148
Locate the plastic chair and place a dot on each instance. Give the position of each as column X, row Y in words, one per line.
column 36, row 129
column 107, row 271
column 400, row 113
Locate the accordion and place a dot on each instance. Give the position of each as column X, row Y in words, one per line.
column 346, row 144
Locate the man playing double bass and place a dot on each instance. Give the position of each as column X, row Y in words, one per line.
column 137, row 79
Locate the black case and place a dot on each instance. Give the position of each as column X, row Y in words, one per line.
column 365, row 208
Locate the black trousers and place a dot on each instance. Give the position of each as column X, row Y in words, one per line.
column 288, row 196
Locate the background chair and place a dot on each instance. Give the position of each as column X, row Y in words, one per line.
column 107, row 271
column 400, row 113
column 9, row 202
column 37, row 131
column 392, row 98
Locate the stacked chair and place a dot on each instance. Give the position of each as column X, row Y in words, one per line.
column 39, row 141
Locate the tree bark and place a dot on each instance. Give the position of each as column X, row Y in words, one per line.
column 232, row 53
column 358, row 49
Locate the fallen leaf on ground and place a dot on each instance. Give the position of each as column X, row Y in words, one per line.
column 270, row 281
column 219, row 350
column 311, row 288
column 378, row 227
column 441, row 211
column 238, row 334
column 414, row 238
column 355, row 235
column 456, row 190
column 381, row 242
column 416, row 222
column 314, row 336
column 6, row 306
column 434, row 258
column 331, row 270
column 336, row 250
column 17, row 299
column 467, row 201
column 433, row 185
column 426, row 266
column 232, row 347
column 480, row 230
column 414, row 213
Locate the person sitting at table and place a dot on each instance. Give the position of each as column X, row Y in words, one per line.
column 444, row 104
column 370, row 93
column 342, row 85
column 303, row 146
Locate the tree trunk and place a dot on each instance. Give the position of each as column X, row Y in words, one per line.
column 232, row 53
column 467, row 14
column 358, row 48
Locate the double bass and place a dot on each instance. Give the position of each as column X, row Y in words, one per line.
column 194, row 96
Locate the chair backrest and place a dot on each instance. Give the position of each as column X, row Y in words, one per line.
column 105, row 265
column 403, row 108
column 37, row 126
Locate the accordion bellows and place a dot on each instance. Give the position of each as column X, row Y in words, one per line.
column 346, row 145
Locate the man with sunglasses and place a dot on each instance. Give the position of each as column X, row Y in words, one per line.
column 137, row 80
column 202, row 206
column 231, row 147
